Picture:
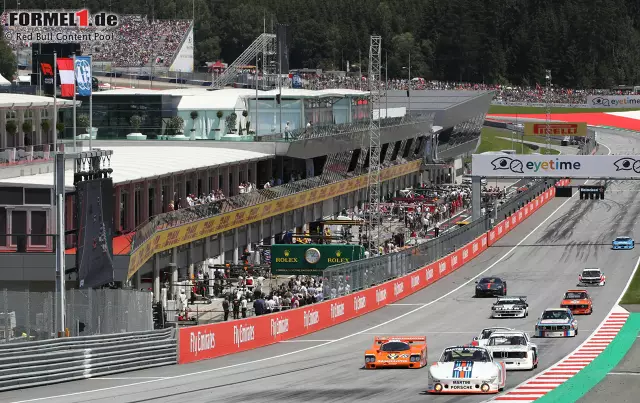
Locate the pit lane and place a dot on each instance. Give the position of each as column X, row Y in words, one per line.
column 540, row 258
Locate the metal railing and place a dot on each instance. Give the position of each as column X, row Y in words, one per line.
column 26, row 154
column 327, row 130
column 344, row 278
column 200, row 212
column 30, row 316
column 73, row 358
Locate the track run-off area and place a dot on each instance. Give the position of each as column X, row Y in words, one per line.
column 540, row 258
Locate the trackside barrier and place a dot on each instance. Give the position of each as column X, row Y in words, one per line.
column 215, row 340
column 66, row 359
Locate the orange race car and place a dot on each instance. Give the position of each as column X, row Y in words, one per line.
column 397, row 352
column 578, row 301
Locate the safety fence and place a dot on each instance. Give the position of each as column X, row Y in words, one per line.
column 68, row 359
column 31, row 316
column 353, row 276
column 246, row 334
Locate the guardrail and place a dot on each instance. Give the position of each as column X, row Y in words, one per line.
column 195, row 343
column 67, row 359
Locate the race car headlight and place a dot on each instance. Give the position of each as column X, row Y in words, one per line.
column 414, row 358
column 485, row 387
column 437, row 387
column 370, row 358
column 478, row 287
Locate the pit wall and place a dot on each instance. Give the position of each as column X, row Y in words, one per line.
column 215, row 340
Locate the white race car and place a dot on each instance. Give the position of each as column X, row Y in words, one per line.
column 591, row 277
column 514, row 349
column 466, row 370
column 510, row 307
column 482, row 339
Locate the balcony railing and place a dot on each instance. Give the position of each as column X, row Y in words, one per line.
column 204, row 211
column 25, row 154
column 319, row 131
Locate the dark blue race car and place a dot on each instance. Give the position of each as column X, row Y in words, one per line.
column 491, row 287
column 623, row 242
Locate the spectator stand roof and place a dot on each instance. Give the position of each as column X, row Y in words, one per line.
column 132, row 164
column 231, row 98
column 22, row 101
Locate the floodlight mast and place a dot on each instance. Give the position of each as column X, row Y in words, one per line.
column 548, row 109
column 375, row 218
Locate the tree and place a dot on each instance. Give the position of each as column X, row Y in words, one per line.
column 8, row 62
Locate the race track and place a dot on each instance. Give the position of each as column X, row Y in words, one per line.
column 540, row 258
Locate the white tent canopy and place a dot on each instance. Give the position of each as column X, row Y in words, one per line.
column 3, row 81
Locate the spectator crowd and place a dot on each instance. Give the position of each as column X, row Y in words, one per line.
column 503, row 93
column 136, row 42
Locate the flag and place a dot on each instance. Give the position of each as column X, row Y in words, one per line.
column 539, row 88
column 83, row 75
column 65, row 68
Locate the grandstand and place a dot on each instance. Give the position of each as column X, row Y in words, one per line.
column 137, row 42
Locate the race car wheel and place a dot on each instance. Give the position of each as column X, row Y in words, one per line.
column 576, row 333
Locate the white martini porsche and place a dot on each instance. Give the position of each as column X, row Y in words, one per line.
column 466, row 370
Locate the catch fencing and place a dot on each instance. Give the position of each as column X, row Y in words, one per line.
column 354, row 276
column 30, row 316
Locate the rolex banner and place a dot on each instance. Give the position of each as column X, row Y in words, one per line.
column 311, row 260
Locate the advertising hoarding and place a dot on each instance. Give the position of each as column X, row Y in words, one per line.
column 578, row 129
column 312, row 259
column 557, row 166
column 613, row 101
column 184, row 60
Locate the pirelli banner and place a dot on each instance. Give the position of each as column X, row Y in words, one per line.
column 183, row 234
column 556, row 129
column 311, row 260
column 557, row 166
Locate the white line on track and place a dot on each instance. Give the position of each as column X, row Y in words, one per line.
column 419, row 308
column 405, row 304
column 131, row 378
column 305, row 341
column 624, row 373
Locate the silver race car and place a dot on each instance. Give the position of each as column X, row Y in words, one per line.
column 482, row 339
column 513, row 348
column 466, row 370
column 510, row 307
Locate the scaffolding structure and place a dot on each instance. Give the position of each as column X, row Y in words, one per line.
column 375, row 218
column 265, row 44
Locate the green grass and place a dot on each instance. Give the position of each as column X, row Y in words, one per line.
column 632, row 296
column 490, row 141
column 507, row 109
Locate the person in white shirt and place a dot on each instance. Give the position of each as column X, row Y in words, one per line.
column 243, row 307
column 270, row 303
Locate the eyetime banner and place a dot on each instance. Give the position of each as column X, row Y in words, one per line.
column 613, row 101
column 578, row 129
column 557, row 166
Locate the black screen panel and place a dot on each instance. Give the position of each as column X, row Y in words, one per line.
column 94, row 257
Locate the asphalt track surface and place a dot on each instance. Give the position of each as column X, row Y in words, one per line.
column 540, row 258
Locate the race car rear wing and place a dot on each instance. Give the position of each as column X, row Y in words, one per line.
column 522, row 299
column 406, row 339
